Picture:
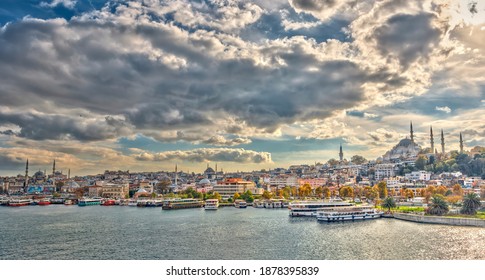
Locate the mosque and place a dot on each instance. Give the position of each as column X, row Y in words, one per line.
column 408, row 149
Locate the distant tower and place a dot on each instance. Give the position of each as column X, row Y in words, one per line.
column 53, row 175
column 341, row 153
column 176, row 174
column 69, row 173
column 54, row 168
column 26, row 173
column 442, row 143
column 461, row 144
column 412, row 132
column 431, row 138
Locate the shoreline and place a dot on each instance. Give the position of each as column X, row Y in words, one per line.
column 442, row 220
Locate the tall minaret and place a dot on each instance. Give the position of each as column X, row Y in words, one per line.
column 69, row 173
column 26, row 173
column 442, row 143
column 461, row 144
column 54, row 168
column 431, row 138
column 176, row 174
column 341, row 153
column 412, row 132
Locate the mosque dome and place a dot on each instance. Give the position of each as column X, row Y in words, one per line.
column 209, row 170
column 405, row 143
column 204, row 182
column 141, row 190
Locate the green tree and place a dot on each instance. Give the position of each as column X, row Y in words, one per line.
column 438, row 206
column 420, row 162
column 248, row 196
column 358, row 159
column 471, row 203
column 382, row 186
column 332, row 162
column 388, row 203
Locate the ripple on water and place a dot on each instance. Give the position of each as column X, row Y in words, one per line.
column 60, row 232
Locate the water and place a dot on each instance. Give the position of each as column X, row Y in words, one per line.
column 96, row 232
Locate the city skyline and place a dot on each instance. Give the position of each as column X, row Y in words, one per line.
column 248, row 85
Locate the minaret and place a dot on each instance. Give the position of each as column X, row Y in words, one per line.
column 54, row 168
column 341, row 154
column 442, row 143
column 176, row 174
column 26, row 173
column 69, row 173
column 431, row 138
column 412, row 132
column 461, row 144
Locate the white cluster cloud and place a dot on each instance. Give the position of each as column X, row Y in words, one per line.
column 206, row 155
column 188, row 71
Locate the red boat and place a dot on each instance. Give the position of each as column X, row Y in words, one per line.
column 44, row 202
column 108, row 202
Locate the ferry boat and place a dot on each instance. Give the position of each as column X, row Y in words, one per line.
column 310, row 209
column 57, row 200
column 272, row 204
column 211, row 204
column 85, row 201
column 258, row 204
column 68, row 202
column 44, row 201
column 181, row 204
column 153, row 203
column 3, row 201
column 132, row 202
column 349, row 214
column 239, row 203
column 108, row 202
column 15, row 202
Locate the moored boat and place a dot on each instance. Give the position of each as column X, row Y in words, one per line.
column 310, row 209
column 211, row 204
column 181, row 203
column 68, row 202
column 44, row 202
column 85, row 201
column 349, row 214
column 239, row 203
column 15, row 202
column 108, row 202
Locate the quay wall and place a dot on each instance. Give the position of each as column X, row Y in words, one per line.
column 440, row 220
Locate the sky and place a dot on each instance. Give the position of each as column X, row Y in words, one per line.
column 246, row 85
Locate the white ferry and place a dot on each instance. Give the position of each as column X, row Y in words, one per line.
column 310, row 209
column 15, row 202
column 211, row 204
column 85, row 201
column 132, row 202
column 239, row 203
column 348, row 214
column 181, row 204
column 272, row 204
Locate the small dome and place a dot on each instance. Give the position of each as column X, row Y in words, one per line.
column 141, row 190
column 72, row 184
column 204, row 182
column 38, row 174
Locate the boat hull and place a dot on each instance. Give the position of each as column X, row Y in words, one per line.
column 349, row 217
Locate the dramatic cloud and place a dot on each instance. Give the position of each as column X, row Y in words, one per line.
column 207, row 155
column 192, row 74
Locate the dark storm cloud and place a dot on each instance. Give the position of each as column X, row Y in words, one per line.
column 314, row 5
column 408, row 37
column 39, row 126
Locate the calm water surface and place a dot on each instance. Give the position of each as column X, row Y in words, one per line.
column 96, row 232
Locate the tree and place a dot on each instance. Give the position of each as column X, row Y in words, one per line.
column 388, row 203
column 453, row 199
column 482, row 192
column 217, row 196
column 267, row 195
column 409, row 193
column 438, row 206
column 326, row 192
column 332, row 162
column 305, row 190
column 441, row 190
column 471, row 203
column 457, row 190
column 382, row 186
column 358, row 159
column 236, row 196
column 319, row 191
column 420, row 163
column 346, row 192
column 163, row 186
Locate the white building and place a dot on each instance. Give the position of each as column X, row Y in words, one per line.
column 418, row 176
column 384, row 170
